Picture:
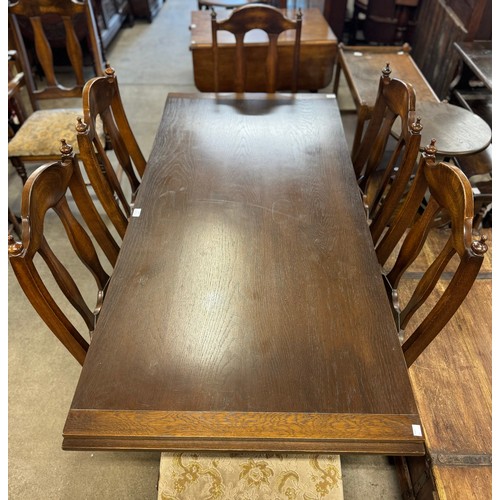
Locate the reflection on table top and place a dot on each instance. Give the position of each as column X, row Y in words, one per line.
column 246, row 310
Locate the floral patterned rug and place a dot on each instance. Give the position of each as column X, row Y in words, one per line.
column 249, row 476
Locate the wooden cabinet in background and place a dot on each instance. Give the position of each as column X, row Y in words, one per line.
column 110, row 16
column 440, row 24
column 145, row 9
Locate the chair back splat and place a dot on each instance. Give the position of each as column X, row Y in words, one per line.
column 384, row 172
column 102, row 101
column 266, row 18
column 60, row 186
column 449, row 190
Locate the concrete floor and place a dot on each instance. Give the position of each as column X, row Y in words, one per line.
column 150, row 61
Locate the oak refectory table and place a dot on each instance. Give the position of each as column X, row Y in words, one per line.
column 246, row 310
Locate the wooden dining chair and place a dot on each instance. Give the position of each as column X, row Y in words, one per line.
column 384, row 166
column 59, row 188
column 266, row 18
column 443, row 187
column 44, row 33
column 102, row 102
column 234, row 4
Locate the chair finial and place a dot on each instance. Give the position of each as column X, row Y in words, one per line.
column 387, row 70
column 15, row 247
column 299, row 14
column 66, row 149
column 431, row 149
column 109, row 72
column 81, row 126
column 479, row 247
column 416, row 126
column 213, row 14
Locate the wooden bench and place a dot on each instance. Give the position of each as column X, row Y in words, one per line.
column 452, row 382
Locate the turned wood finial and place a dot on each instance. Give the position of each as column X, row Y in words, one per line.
column 479, row 247
column 387, row 70
column 431, row 149
column 213, row 14
column 65, row 149
column 299, row 14
column 109, row 72
column 81, row 126
column 15, row 247
column 416, row 126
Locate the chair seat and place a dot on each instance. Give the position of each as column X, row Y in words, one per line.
column 258, row 476
column 43, row 130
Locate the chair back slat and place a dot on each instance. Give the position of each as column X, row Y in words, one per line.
column 74, row 51
column 44, row 51
column 263, row 17
column 445, row 308
column 44, row 304
column 66, row 283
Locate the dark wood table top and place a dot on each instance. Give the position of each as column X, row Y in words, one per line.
column 247, row 309
column 477, row 55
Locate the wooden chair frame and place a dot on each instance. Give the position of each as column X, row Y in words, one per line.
column 101, row 99
column 35, row 11
column 383, row 193
column 48, row 188
column 273, row 22
column 448, row 189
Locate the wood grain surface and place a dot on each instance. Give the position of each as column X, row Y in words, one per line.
column 247, row 285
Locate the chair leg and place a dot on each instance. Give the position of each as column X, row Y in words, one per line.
column 20, row 168
column 336, row 81
column 404, row 478
column 358, row 133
